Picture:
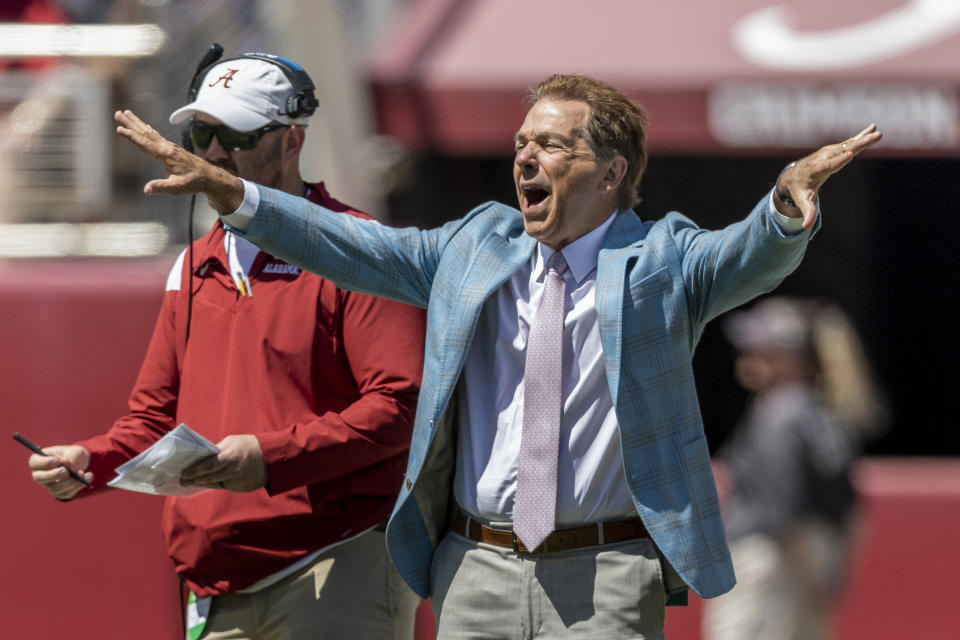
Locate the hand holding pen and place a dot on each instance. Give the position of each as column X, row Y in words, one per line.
column 54, row 466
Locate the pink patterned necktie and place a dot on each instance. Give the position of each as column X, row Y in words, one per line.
column 535, row 504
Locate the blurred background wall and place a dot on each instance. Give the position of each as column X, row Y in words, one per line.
column 419, row 102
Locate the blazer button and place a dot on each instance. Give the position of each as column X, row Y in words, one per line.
column 409, row 484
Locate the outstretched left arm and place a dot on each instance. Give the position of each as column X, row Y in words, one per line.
column 797, row 187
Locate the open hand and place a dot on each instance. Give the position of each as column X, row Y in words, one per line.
column 803, row 179
column 186, row 172
column 238, row 467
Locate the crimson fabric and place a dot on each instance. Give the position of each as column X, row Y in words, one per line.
column 326, row 379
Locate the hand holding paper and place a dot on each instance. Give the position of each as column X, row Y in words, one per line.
column 157, row 469
column 238, row 466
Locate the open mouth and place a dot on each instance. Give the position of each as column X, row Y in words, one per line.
column 533, row 196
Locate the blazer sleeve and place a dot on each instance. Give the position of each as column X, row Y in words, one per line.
column 353, row 253
column 726, row 268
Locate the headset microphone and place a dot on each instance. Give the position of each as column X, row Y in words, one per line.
column 210, row 57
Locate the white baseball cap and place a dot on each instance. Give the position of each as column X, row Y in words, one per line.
column 244, row 94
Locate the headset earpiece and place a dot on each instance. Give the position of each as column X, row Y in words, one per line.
column 303, row 102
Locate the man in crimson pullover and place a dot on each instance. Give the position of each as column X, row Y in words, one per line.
column 308, row 390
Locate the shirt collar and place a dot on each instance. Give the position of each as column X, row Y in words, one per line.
column 581, row 254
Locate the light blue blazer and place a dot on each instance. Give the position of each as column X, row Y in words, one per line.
column 658, row 283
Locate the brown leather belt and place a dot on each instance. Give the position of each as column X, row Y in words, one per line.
column 562, row 540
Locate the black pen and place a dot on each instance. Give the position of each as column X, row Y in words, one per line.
column 29, row 445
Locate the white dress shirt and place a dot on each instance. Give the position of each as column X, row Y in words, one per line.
column 590, row 482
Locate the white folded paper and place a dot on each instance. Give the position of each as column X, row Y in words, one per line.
column 157, row 469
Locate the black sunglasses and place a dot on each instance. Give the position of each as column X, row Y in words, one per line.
column 201, row 134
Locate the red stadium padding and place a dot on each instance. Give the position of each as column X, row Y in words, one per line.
column 72, row 334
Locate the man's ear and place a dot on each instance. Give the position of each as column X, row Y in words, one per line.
column 293, row 141
column 615, row 173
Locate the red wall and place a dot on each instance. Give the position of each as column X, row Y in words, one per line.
column 72, row 334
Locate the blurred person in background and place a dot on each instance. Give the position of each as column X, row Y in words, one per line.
column 784, row 478
column 308, row 390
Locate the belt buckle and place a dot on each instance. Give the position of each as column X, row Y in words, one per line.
column 517, row 542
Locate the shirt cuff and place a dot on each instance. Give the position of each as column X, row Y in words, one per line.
column 243, row 216
column 788, row 224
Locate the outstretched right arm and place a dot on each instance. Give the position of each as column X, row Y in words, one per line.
column 355, row 254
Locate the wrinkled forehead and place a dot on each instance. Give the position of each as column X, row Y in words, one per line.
column 555, row 116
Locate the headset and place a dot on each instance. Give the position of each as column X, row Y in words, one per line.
column 300, row 104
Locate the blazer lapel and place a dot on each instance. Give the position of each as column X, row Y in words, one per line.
column 485, row 269
column 626, row 234
column 503, row 258
column 494, row 263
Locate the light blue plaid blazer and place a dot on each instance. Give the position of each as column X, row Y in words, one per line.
column 658, row 283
